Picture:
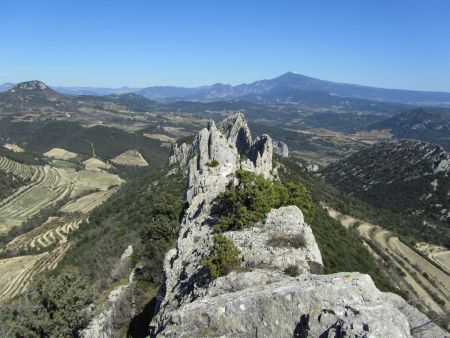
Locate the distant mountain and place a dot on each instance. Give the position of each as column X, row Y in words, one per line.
column 406, row 176
column 94, row 90
column 291, row 81
column 6, row 86
column 421, row 124
column 295, row 87
column 289, row 87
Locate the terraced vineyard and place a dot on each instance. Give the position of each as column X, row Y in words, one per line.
column 54, row 230
column 41, row 248
column 17, row 272
column 48, row 185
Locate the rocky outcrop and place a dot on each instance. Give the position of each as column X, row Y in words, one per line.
column 280, row 306
column 178, row 154
column 267, row 245
column 280, row 148
column 276, row 294
column 236, row 130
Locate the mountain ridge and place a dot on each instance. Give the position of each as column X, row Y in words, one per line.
column 266, row 86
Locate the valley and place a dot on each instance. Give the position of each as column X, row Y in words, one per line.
column 88, row 178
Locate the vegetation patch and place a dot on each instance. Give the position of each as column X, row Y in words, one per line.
column 253, row 197
column 212, row 164
column 292, row 270
column 51, row 307
column 223, row 259
column 286, row 241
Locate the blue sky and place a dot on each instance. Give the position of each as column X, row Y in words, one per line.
column 393, row 44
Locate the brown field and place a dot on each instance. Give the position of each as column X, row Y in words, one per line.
column 13, row 147
column 87, row 203
column 60, row 154
column 17, row 272
column 130, row 158
column 95, row 164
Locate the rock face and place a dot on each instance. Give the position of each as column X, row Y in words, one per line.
column 264, row 299
column 266, row 245
column 280, row 148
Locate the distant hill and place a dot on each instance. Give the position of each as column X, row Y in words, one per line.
column 287, row 87
column 421, row 124
column 405, row 176
column 34, row 100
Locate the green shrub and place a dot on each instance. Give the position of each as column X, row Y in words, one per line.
column 285, row 241
column 292, row 270
column 249, row 202
column 212, row 164
column 224, row 257
column 51, row 307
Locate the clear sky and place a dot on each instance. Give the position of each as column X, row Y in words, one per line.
column 393, row 44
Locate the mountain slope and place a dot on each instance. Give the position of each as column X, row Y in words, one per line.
column 421, row 124
column 292, row 84
column 406, row 176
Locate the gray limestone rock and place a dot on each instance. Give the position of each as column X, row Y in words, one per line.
column 271, row 244
column 280, row 148
column 304, row 306
column 263, row 300
column 236, row 130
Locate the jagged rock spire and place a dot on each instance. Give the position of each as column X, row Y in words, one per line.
column 236, row 130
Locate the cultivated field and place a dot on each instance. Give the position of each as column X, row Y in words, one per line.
column 17, row 272
column 95, row 164
column 13, row 147
column 130, row 158
column 41, row 248
column 87, row 203
column 54, row 230
column 429, row 284
column 47, row 186
column 60, row 154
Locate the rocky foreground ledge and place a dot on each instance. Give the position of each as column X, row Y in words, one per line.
column 262, row 300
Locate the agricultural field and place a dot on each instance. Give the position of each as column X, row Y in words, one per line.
column 95, row 164
column 130, row 158
column 53, row 231
column 426, row 282
column 47, row 186
column 60, row 154
column 13, row 147
column 41, row 248
column 17, row 272
column 87, row 203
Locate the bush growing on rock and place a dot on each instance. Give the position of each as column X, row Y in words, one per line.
column 212, row 164
column 223, row 259
column 285, row 241
column 253, row 197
